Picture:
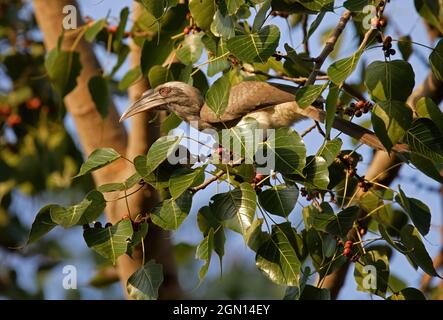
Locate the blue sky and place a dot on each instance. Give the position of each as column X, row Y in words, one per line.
column 406, row 22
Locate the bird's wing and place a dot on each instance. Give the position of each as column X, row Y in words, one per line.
column 247, row 97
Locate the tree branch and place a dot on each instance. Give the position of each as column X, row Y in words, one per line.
column 329, row 47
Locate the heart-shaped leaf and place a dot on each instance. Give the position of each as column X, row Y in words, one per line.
column 277, row 258
column 255, row 47
column 98, row 159
column 145, row 282
column 279, row 200
column 110, row 242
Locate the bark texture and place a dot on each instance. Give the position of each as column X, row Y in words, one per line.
column 94, row 132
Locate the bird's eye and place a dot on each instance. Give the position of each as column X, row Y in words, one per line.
column 164, row 92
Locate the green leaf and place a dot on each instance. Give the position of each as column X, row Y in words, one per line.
column 95, row 29
column 42, row 224
column 287, row 148
column 118, row 36
column 255, row 47
column 99, row 158
column 207, row 221
column 410, row 237
column 316, row 172
column 430, row 11
column 85, row 212
column 155, row 7
column 158, row 75
column 297, row 65
column 161, row 150
column 429, row 168
column 202, row 12
column 317, row 5
column 330, row 150
column 405, row 47
column 155, row 53
column 122, row 55
column 235, row 209
column 120, row 186
column 204, row 252
column 343, row 222
column 145, row 282
column 277, row 258
column 140, row 232
column 436, row 61
column 313, row 293
column 99, row 91
column 426, row 108
column 279, row 200
column 63, row 69
column 416, row 210
column 408, row 294
column 217, row 96
column 216, row 49
column 318, row 218
column 255, row 237
column 424, row 138
column 308, row 94
column 261, row 16
column 171, row 213
column 372, row 274
column 234, row 5
column 129, row 78
column 191, row 49
column 390, row 80
column 391, row 120
column 110, row 242
column 183, row 179
column 340, row 70
column 223, row 25
column 314, row 25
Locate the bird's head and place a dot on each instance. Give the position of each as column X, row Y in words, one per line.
column 181, row 98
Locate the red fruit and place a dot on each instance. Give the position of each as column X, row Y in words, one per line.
column 126, row 217
column 362, row 231
column 360, row 104
column 382, row 23
column 187, row 30
column 375, row 22
column 13, row 120
column 33, row 103
column 258, row 178
column 347, row 252
column 112, row 29
column 348, row 244
column 219, row 151
column 5, row 110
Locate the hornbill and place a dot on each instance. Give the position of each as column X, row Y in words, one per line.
column 272, row 105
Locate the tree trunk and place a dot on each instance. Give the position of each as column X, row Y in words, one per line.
column 94, row 132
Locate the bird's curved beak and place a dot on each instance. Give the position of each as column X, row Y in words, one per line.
column 150, row 100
